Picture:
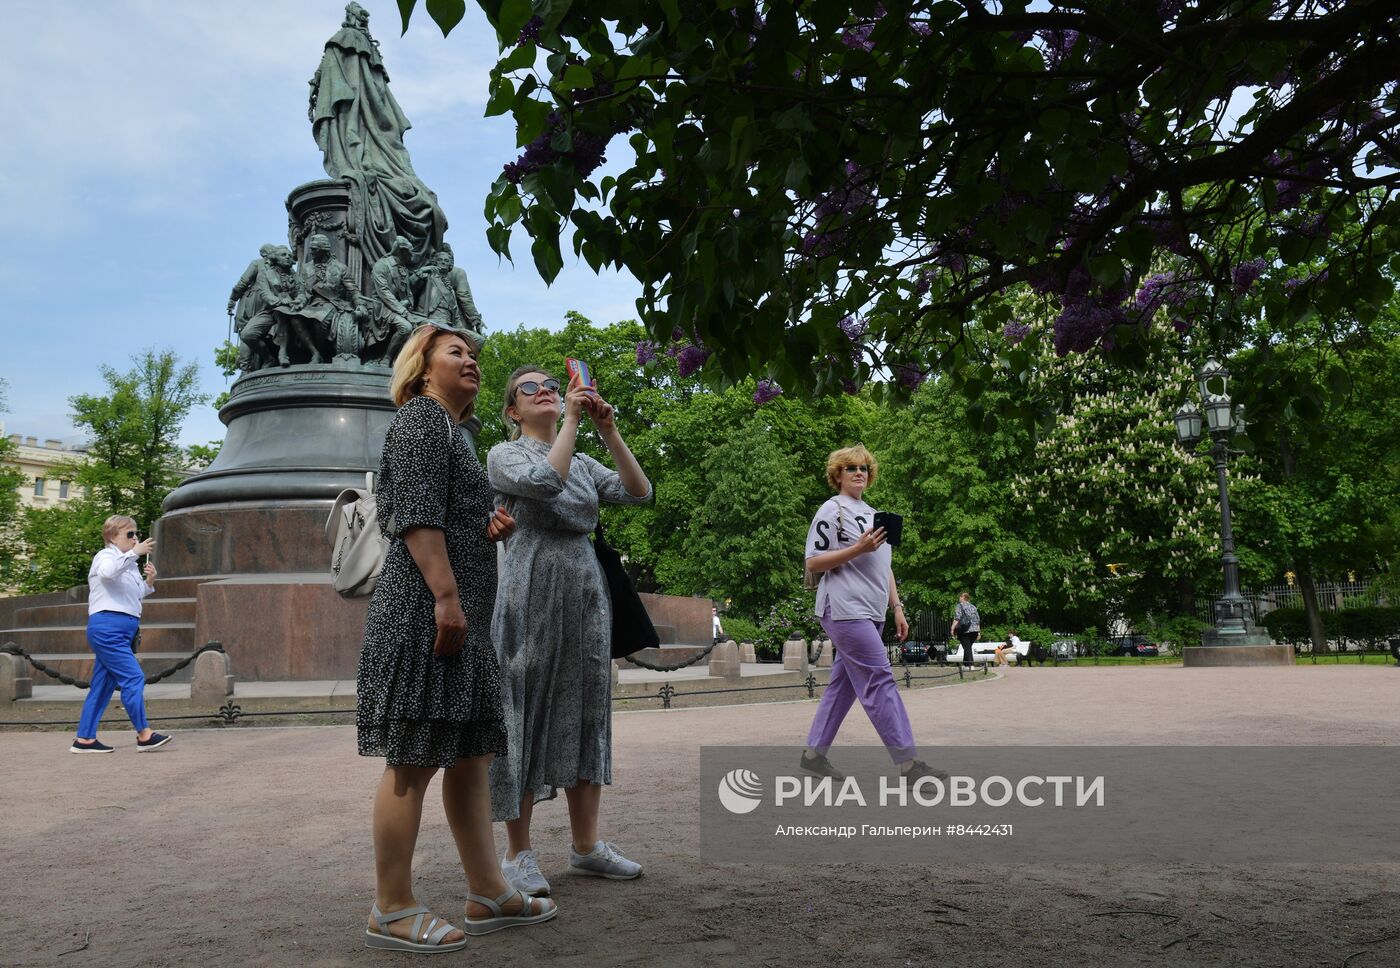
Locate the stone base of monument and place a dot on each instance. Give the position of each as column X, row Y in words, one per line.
column 283, row 626
column 795, row 655
column 747, row 652
column 724, row 660
column 1269, row 654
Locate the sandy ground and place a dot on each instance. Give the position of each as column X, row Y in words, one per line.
column 250, row 846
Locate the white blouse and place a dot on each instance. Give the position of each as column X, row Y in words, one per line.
column 115, row 583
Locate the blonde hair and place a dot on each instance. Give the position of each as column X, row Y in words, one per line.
column 856, row 454
column 511, row 424
column 115, row 523
column 411, row 365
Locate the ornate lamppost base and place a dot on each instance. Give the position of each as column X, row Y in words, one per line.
column 1248, row 649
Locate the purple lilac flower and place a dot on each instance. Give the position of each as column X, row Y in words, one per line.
column 691, row 358
column 530, row 33
column 919, row 27
column 1314, row 225
column 922, row 284
column 1160, row 289
column 858, row 37
column 954, row 262
column 1014, row 332
column 767, row 392
column 1247, row 273
column 849, row 386
column 646, row 352
column 854, row 327
column 910, row 377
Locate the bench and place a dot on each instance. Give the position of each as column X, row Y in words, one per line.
column 985, row 652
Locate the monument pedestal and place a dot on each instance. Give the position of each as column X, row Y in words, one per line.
column 1252, row 648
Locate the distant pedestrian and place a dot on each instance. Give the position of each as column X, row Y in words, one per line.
column 117, row 584
column 856, row 590
column 718, row 628
column 967, row 625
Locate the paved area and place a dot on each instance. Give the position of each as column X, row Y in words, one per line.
column 249, row 846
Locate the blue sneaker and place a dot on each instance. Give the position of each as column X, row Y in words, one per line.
column 91, row 746
column 156, row 741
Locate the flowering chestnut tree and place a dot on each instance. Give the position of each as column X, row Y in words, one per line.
column 784, row 166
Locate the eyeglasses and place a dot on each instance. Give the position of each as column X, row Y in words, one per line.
column 532, row 387
column 131, row 534
column 853, row 468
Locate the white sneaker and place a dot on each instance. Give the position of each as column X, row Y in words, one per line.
column 523, row 874
column 605, row 860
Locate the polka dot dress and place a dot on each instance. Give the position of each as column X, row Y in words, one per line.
column 415, row 708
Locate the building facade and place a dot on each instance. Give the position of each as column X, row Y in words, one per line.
column 45, row 465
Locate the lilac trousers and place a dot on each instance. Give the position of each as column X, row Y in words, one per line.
column 861, row 669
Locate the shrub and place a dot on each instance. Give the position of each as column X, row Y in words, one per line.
column 1370, row 625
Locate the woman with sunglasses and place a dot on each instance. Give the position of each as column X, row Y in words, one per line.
column 429, row 686
column 856, row 590
column 553, row 621
column 116, row 586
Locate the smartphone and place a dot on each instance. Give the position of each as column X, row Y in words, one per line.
column 893, row 525
column 579, row 370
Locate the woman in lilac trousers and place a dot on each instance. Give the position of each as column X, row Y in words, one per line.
column 854, row 593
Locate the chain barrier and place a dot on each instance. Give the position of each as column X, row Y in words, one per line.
column 10, row 648
column 671, row 668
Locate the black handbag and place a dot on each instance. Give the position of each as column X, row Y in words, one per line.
column 632, row 630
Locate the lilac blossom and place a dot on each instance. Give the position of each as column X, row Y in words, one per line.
column 1247, row 273
column 854, row 327
column 1014, row 332
column 909, row 377
column 858, row 37
column 646, row 352
column 767, row 392
column 530, row 33
column 922, row 284
column 849, row 386
column 691, row 358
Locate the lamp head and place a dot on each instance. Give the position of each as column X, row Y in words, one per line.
column 1214, row 380
column 1188, row 425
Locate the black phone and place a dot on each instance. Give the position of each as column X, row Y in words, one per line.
column 893, row 525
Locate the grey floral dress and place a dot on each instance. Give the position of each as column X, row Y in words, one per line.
column 553, row 625
column 415, row 708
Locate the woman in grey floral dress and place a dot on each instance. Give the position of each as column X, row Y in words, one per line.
column 552, row 625
column 429, row 687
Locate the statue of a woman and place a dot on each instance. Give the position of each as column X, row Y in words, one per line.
column 359, row 128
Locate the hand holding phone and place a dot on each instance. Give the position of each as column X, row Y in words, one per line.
column 893, row 525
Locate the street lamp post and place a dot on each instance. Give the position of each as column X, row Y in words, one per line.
column 1221, row 421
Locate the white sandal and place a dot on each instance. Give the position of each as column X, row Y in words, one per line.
column 425, row 940
column 540, row 909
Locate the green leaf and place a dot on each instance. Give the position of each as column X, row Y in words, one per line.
column 502, row 97
column 445, row 13
column 406, row 11
column 548, row 260
column 576, row 76
column 513, row 16
column 522, row 56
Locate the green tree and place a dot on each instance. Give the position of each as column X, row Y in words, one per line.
column 782, row 166
column 11, row 480
column 133, row 461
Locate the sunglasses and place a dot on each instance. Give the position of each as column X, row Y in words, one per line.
column 863, row 468
column 131, row 534
column 532, row 387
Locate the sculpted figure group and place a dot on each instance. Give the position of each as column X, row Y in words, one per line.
column 317, row 314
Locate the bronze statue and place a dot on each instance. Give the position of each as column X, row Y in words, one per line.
column 391, row 286
column 329, row 294
column 466, row 306
column 266, row 289
column 359, row 128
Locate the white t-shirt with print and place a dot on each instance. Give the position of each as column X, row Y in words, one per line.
column 861, row 587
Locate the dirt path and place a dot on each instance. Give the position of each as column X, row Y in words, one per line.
column 251, row 846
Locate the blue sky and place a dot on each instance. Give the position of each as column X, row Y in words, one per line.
column 148, row 151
